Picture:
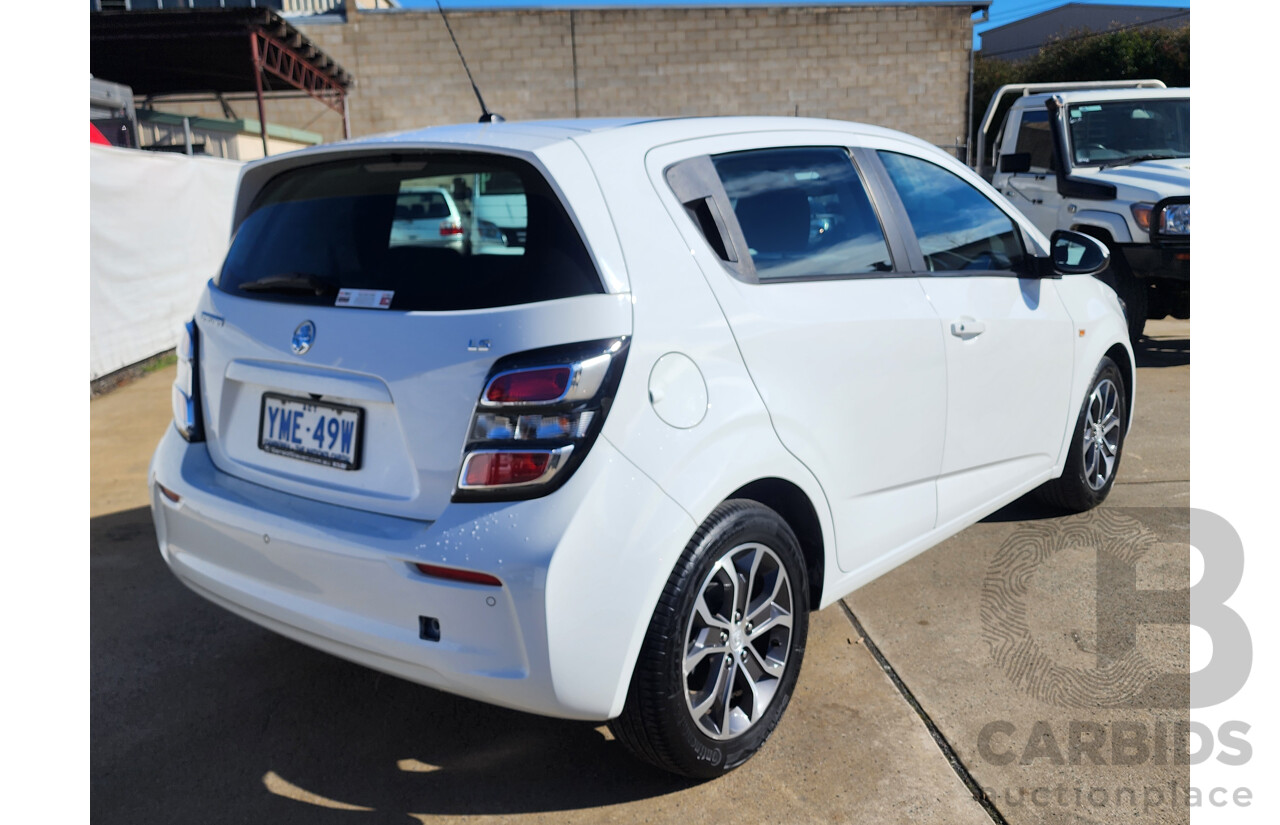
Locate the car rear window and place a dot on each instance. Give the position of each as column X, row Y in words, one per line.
column 440, row 231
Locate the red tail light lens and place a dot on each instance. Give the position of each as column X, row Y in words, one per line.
column 538, row 415
column 448, row 228
column 493, row 469
column 454, row 574
column 537, row 386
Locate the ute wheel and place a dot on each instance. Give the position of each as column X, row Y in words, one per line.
column 724, row 647
column 1158, row 301
column 1131, row 289
column 1096, row 444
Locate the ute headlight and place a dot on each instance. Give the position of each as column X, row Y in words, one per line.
column 1175, row 219
column 186, row 396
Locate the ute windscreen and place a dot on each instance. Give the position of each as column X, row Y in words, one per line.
column 416, row 232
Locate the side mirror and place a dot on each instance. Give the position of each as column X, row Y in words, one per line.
column 1015, row 163
column 1074, row 253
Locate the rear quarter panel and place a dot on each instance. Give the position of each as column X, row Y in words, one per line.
column 674, row 310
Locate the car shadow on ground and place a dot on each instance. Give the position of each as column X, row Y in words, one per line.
column 1162, row 352
column 1027, row 508
column 198, row 715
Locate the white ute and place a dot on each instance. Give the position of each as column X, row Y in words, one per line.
column 709, row 375
column 1111, row 159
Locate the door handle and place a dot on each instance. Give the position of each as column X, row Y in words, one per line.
column 967, row 328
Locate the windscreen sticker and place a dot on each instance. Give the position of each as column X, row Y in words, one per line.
column 365, row 298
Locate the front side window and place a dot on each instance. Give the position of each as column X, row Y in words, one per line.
column 438, row 231
column 957, row 227
column 803, row 212
column 1036, row 140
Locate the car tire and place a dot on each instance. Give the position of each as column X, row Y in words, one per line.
column 741, row 671
column 1094, row 457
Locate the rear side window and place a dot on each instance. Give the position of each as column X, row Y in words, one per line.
column 439, row 231
column 957, row 227
column 803, row 212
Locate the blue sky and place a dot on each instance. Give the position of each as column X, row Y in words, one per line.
column 1008, row 11
column 1001, row 11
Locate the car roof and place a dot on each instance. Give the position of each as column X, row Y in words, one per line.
column 605, row 138
column 527, row 135
column 537, row 134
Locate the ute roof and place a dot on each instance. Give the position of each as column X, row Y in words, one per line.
column 1103, row 95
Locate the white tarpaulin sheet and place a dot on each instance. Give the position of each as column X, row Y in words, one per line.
column 159, row 225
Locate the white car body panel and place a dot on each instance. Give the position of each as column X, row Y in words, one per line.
column 413, row 446
column 1000, row 432
column 820, row 386
column 326, row 558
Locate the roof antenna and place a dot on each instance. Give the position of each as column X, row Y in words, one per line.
column 487, row 116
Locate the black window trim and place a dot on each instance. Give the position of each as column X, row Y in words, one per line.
column 688, row 183
column 693, row 180
column 871, row 160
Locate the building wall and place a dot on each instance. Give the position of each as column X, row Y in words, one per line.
column 906, row 67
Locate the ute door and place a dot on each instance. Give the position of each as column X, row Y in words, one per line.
column 1035, row 191
column 841, row 342
column 1008, row 337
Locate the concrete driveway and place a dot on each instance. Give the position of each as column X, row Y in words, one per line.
column 932, row 716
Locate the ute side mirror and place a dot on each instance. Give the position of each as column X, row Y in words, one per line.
column 1074, row 253
column 1015, row 163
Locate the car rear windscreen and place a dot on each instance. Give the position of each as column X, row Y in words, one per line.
column 437, row 231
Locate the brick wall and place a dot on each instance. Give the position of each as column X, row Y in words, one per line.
column 899, row 66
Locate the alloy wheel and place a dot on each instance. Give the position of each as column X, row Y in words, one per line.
column 738, row 641
column 1101, row 434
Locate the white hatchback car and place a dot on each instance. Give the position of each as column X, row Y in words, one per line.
column 736, row 368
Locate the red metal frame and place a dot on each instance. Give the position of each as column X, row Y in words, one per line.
column 270, row 55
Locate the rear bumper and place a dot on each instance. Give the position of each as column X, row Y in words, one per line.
column 581, row 570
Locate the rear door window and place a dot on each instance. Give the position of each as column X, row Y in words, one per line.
column 804, row 213
column 440, row 231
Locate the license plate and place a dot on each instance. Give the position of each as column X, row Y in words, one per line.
column 309, row 430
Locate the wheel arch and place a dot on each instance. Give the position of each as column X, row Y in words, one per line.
column 793, row 504
column 1121, row 356
column 1097, row 223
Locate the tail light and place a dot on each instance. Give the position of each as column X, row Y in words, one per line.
column 448, row 228
column 186, row 387
column 535, row 420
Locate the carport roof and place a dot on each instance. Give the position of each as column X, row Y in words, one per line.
column 172, row 51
